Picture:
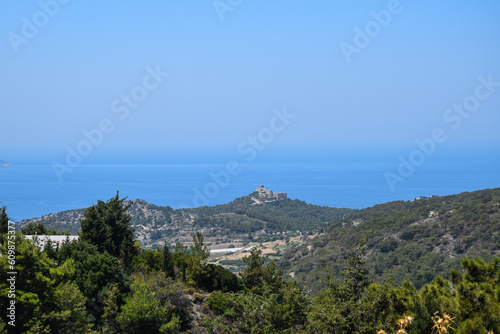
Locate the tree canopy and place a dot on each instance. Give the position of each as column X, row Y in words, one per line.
column 84, row 286
column 107, row 226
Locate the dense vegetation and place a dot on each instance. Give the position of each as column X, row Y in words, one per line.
column 249, row 218
column 106, row 283
column 273, row 216
column 351, row 303
column 413, row 240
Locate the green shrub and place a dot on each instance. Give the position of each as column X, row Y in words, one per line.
column 218, row 303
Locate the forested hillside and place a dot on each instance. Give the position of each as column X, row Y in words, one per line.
column 105, row 283
column 251, row 214
column 412, row 240
column 407, row 240
column 249, row 218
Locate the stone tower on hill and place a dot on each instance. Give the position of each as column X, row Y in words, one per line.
column 263, row 192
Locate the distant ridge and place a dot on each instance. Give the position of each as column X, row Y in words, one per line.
column 407, row 240
column 251, row 217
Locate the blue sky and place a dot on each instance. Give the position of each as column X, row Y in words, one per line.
column 225, row 77
column 408, row 90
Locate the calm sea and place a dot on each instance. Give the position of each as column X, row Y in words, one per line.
column 31, row 190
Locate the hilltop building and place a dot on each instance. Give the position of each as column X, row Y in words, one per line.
column 262, row 191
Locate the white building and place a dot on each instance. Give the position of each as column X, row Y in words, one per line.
column 56, row 239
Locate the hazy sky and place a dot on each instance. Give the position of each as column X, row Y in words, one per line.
column 352, row 74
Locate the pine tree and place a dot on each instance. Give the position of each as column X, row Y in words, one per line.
column 253, row 275
column 199, row 250
column 110, row 310
column 34, row 229
column 107, row 226
column 341, row 308
column 197, row 266
column 4, row 221
column 259, row 278
column 168, row 261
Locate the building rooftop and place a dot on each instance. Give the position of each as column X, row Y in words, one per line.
column 56, row 239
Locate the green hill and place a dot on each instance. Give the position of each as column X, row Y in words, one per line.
column 270, row 215
column 248, row 218
column 412, row 240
